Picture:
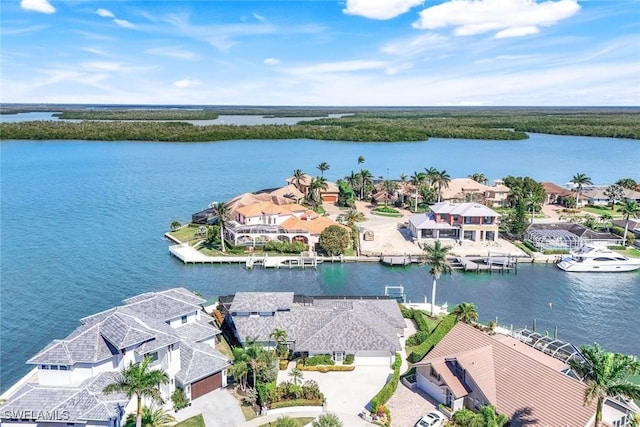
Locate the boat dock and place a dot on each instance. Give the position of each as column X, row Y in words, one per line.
column 403, row 260
column 501, row 263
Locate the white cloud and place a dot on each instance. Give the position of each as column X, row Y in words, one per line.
column 102, row 66
column 509, row 18
column 338, row 67
column 105, row 13
column 95, row 51
column 186, row 83
column 173, row 52
column 379, row 9
column 123, row 23
column 259, row 17
column 42, row 6
column 415, row 45
column 271, row 61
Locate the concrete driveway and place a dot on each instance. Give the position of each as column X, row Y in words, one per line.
column 218, row 408
column 346, row 392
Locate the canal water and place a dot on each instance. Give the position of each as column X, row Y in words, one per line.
column 82, row 224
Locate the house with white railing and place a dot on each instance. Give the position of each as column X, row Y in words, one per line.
column 169, row 327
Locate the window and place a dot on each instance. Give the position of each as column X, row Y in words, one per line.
column 467, row 220
column 183, row 319
column 153, row 356
column 487, row 220
column 64, row 368
column 45, row 367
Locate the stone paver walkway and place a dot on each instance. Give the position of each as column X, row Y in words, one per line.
column 407, row 406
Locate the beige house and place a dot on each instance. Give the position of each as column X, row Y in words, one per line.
column 461, row 221
column 467, row 190
column 470, row 368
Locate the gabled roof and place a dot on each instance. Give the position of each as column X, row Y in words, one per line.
column 551, row 188
column 523, row 384
column 315, row 226
column 289, row 191
column 198, row 360
column 463, row 209
column 83, row 403
column 463, row 185
column 263, row 208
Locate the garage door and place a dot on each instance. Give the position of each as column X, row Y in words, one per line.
column 330, row 198
column 206, row 385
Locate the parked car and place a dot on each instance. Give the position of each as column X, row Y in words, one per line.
column 431, row 419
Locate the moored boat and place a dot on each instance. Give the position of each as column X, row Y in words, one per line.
column 591, row 258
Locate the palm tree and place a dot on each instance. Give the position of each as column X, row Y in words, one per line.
column 360, row 160
column 222, row 214
column 580, row 180
column 298, row 177
column 139, row 381
column 315, row 187
column 606, row 374
column 417, row 180
column 284, row 421
column 324, row 166
column 152, row 417
column 278, row 335
column 436, row 257
column 614, row 193
column 466, row 312
column 479, row 177
column 430, row 173
column 297, row 376
column 255, row 356
column 327, row 420
column 390, row 187
column 629, row 209
column 441, row 180
column 175, row 225
column 366, row 178
column 351, row 217
column 605, row 218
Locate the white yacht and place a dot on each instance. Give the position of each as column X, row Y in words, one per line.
column 598, row 259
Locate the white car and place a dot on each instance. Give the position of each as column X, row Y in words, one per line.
column 431, row 419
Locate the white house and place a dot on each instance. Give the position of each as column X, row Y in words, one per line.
column 169, row 327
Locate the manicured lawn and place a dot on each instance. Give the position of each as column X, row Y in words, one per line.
column 248, row 412
column 631, row 252
column 223, row 347
column 196, row 421
column 600, row 210
column 301, row 421
column 186, row 234
column 392, row 215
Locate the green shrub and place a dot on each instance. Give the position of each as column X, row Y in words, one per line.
column 527, row 244
column 556, row 251
column 285, row 247
column 389, row 388
column 349, row 359
column 296, row 402
column 327, row 368
column 438, row 333
column 417, row 338
column 319, row 359
column 616, row 247
column 179, row 399
column 385, row 209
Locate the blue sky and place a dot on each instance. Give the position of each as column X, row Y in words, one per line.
column 343, row 53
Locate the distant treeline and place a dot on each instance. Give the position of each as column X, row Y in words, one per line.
column 369, row 125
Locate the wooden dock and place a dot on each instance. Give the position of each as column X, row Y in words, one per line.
column 404, row 260
column 189, row 255
column 488, row 264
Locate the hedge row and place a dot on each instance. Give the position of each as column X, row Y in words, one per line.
column 319, row 359
column 389, row 388
column 438, row 333
column 422, row 323
column 326, row 368
column 296, row 402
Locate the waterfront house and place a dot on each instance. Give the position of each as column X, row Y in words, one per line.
column 567, row 236
column 460, row 190
column 461, row 221
column 260, row 222
column 366, row 327
column 470, row 368
column 329, row 194
column 169, row 326
column 555, row 193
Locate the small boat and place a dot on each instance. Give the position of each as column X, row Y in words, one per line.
column 591, row 258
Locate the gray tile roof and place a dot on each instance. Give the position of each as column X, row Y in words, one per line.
column 163, row 307
column 199, row 360
column 199, row 330
column 330, row 325
column 83, row 403
column 261, row 301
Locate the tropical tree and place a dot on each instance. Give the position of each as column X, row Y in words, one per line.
column 366, row 179
column 334, row 240
column 324, row 166
column 152, row 417
column 628, row 183
column 417, row 180
column 298, row 178
column 360, row 160
column 175, row 225
column 279, row 336
column 327, row 420
column 614, row 193
column 213, row 234
column 580, row 180
column 256, row 358
column 629, row 209
column 431, row 174
column 240, row 368
column 222, row 214
column 314, row 197
column 139, row 381
column 466, row 312
column 479, row 177
column 389, row 186
column 351, row 217
column 606, row 374
column 441, row 180
column 436, row 257
column 284, row 421
column 297, row 375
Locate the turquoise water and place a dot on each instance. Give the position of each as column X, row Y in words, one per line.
column 82, row 222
